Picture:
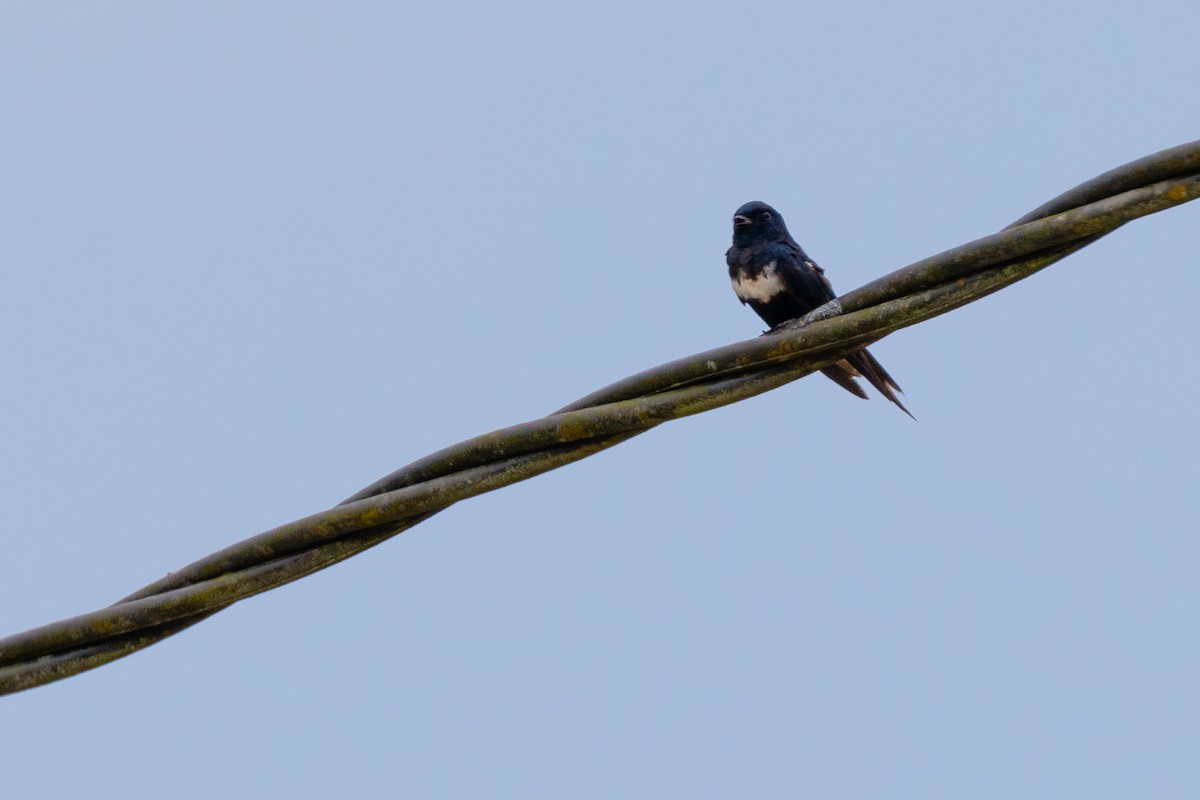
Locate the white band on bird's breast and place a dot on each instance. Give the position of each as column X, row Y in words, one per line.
column 761, row 287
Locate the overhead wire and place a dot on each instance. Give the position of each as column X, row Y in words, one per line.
column 605, row 418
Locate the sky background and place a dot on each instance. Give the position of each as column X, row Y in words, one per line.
column 254, row 256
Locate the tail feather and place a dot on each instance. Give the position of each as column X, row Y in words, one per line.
column 878, row 377
column 843, row 375
column 865, row 365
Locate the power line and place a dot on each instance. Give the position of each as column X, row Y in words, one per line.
column 618, row 412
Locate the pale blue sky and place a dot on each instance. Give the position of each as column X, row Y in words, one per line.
column 254, row 256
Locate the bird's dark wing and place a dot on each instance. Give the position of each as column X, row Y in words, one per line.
column 807, row 283
column 804, row 279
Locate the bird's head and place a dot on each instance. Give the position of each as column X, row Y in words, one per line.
column 758, row 222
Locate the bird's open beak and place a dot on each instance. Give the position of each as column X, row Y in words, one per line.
column 739, row 221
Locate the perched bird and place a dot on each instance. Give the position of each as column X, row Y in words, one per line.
column 772, row 274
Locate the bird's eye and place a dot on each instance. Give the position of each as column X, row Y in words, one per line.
column 766, row 215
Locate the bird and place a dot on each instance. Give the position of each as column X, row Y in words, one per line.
column 773, row 275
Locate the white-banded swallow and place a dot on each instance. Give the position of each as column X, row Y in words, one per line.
column 773, row 275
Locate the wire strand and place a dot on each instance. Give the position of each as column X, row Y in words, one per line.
column 690, row 385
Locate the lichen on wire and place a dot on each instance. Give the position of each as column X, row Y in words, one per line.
column 605, row 418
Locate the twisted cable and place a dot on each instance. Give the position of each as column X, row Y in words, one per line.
column 690, row 385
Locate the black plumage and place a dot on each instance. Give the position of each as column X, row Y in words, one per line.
column 772, row 274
